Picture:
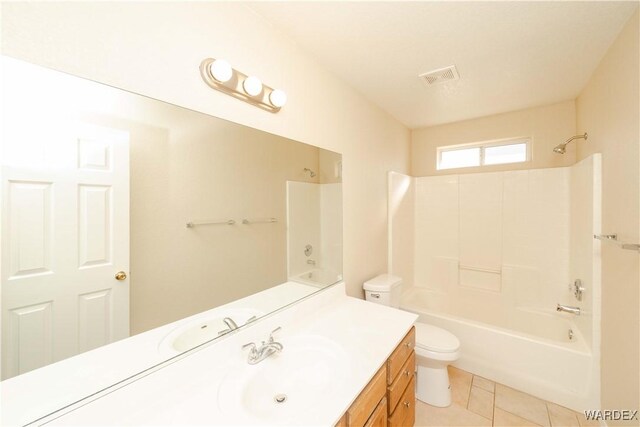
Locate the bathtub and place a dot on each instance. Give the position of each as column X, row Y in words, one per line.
column 533, row 352
column 317, row 277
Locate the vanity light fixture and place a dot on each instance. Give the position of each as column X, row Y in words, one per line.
column 278, row 98
column 218, row 74
column 252, row 86
column 221, row 70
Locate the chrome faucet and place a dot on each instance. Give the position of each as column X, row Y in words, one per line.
column 231, row 325
column 267, row 348
column 568, row 309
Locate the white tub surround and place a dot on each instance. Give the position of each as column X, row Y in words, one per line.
column 493, row 254
column 194, row 389
column 314, row 228
column 317, row 277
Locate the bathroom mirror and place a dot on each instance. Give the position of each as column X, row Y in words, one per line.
column 124, row 215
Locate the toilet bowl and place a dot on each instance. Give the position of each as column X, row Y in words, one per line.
column 435, row 348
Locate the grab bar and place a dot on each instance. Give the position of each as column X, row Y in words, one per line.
column 192, row 224
column 613, row 238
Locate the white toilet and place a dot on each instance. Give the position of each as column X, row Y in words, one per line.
column 435, row 347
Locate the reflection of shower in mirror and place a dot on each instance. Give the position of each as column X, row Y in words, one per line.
column 311, row 173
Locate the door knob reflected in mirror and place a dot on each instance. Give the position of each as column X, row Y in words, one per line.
column 121, row 275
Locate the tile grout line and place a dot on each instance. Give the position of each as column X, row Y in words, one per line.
column 493, row 412
column 469, row 395
column 494, row 405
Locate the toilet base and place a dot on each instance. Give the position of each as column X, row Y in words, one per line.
column 433, row 385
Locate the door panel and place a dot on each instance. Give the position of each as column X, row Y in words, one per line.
column 95, row 233
column 30, row 236
column 94, row 320
column 30, row 337
column 94, row 154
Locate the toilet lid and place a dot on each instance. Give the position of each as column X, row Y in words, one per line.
column 432, row 338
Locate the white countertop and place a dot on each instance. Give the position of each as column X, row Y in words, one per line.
column 185, row 392
column 37, row 393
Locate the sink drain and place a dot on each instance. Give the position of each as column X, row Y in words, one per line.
column 280, row 398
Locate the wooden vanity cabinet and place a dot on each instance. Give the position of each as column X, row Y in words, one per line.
column 389, row 398
column 368, row 400
column 401, row 384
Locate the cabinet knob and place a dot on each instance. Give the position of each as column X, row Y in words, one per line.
column 406, row 373
column 407, row 344
column 407, row 404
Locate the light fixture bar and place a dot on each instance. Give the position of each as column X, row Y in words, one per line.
column 240, row 86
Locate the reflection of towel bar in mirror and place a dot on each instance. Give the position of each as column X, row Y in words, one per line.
column 192, row 224
column 257, row 220
column 613, row 238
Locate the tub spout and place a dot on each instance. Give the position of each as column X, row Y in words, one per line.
column 568, row 309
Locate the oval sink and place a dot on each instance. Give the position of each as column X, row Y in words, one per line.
column 283, row 386
column 203, row 329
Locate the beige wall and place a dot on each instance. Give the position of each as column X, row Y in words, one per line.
column 207, row 169
column 608, row 109
column 155, row 49
column 548, row 126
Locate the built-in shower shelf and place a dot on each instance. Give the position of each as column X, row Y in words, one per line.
column 613, row 238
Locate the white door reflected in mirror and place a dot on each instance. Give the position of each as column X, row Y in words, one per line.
column 66, row 222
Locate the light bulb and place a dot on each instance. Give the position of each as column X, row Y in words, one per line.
column 252, row 85
column 278, row 98
column 221, row 70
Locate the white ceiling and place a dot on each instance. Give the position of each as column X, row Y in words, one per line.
column 510, row 55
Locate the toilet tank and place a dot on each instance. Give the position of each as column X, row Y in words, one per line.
column 383, row 289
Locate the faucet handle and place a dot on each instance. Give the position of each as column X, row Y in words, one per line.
column 253, row 347
column 273, row 332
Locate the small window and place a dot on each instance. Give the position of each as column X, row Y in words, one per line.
column 460, row 158
column 483, row 153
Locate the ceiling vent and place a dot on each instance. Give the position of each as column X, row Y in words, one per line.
column 440, row 75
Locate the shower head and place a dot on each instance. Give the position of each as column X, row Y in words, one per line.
column 311, row 173
column 561, row 148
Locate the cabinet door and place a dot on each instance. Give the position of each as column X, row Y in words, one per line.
column 405, row 413
column 400, row 355
column 396, row 390
column 379, row 416
column 343, row 421
column 361, row 410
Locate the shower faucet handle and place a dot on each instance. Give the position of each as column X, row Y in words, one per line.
column 568, row 309
column 308, row 250
column 577, row 289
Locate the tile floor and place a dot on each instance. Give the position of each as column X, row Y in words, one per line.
column 480, row 402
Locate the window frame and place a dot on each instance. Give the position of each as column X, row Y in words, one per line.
column 482, row 145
